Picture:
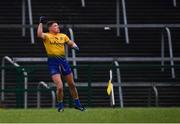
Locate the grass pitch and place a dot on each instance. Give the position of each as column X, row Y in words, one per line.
column 92, row 115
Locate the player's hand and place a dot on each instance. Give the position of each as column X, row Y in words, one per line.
column 76, row 48
column 42, row 19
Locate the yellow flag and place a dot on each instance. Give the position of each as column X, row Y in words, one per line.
column 109, row 87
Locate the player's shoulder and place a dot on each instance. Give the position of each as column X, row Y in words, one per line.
column 46, row 34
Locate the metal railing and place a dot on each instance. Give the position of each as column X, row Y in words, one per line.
column 120, row 83
column 31, row 25
column 125, row 21
column 167, row 30
column 121, row 103
column 39, row 94
column 3, row 78
column 31, row 21
column 73, row 53
column 99, row 59
column 156, row 95
column 96, row 25
column 83, row 3
column 117, row 17
column 175, row 3
column 23, row 17
column 104, row 84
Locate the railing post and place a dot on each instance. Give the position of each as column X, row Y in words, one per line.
column 175, row 3
column 2, row 78
column 125, row 21
column 170, row 52
column 23, row 18
column 31, row 21
column 117, row 18
column 162, row 51
column 89, row 68
column 39, row 94
column 83, row 3
column 119, row 83
column 73, row 54
column 156, row 94
column 167, row 30
column 25, row 88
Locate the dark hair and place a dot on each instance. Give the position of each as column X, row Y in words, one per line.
column 49, row 23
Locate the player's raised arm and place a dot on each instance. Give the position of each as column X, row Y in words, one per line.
column 40, row 32
column 73, row 45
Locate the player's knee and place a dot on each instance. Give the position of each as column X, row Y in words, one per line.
column 60, row 89
column 72, row 86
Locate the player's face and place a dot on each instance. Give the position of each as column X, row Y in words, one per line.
column 55, row 28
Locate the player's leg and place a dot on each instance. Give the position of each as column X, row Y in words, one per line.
column 72, row 87
column 66, row 71
column 73, row 90
column 59, row 85
column 56, row 77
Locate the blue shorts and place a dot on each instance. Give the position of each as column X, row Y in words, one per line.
column 58, row 66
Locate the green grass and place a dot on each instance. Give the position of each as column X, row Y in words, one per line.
column 98, row 115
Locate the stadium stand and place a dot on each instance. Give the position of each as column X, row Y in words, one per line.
column 97, row 42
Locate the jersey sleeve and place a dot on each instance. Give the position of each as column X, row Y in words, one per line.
column 45, row 36
column 66, row 38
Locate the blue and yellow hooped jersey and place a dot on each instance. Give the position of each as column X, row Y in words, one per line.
column 55, row 44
